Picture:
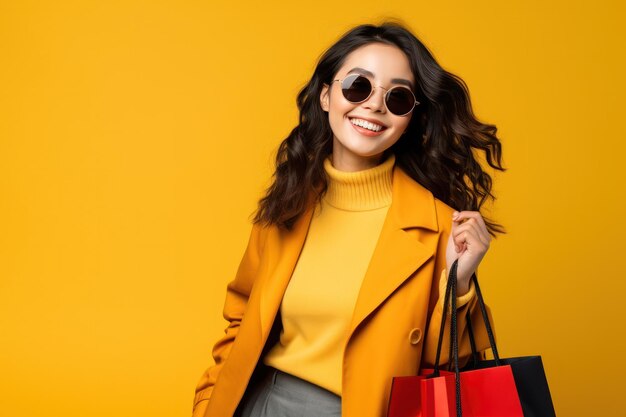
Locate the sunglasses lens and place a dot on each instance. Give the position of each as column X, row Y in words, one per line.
column 356, row 88
column 400, row 100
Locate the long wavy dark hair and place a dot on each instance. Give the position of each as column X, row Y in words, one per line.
column 437, row 149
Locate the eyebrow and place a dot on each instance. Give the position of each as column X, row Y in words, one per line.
column 371, row 74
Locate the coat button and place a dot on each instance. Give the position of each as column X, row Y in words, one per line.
column 415, row 336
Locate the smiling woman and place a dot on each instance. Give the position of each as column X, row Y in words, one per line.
column 376, row 193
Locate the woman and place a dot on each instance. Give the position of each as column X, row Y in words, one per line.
column 340, row 286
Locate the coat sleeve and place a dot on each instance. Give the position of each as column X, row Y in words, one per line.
column 237, row 293
column 467, row 304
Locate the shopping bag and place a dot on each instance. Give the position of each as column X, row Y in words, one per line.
column 420, row 396
column 528, row 373
column 512, row 387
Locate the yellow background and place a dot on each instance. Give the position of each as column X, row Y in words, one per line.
column 137, row 136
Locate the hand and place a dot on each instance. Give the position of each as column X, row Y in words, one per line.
column 468, row 242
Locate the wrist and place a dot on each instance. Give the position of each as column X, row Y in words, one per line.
column 462, row 287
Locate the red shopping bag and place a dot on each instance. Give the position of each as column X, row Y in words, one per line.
column 486, row 392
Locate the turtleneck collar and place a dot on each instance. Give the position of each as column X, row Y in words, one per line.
column 363, row 190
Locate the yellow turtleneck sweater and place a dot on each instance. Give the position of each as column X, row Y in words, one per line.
column 319, row 301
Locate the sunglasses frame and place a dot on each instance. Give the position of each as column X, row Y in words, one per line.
column 372, row 87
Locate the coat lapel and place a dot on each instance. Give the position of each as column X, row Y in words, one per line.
column 283, row 249
column 396, row 257
column 397, row 254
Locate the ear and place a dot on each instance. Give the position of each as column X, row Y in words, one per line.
column 324, row 98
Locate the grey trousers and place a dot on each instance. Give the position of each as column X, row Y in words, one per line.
column 280, row 394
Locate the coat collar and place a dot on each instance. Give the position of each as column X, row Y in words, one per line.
column 396, row 256
column 412, row 204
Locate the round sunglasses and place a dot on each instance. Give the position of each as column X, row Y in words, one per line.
column 398, row 99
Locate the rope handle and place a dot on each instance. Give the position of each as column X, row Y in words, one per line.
column 450, row 297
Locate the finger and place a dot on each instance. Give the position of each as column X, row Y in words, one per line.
column 464, row 219
column 473, row 223
column 467, row 214
column 461, row 241
column 461, row 237
column 467, row 235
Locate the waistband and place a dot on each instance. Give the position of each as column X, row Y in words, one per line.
column 300, row 386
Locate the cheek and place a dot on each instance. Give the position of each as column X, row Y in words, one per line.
column 403, row 122
column 339, row 108
column 337, row 114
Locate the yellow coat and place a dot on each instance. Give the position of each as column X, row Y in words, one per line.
column 396, row 320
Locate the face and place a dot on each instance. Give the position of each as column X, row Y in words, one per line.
column 356, row 148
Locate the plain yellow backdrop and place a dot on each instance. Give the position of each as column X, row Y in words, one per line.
column 137, row 136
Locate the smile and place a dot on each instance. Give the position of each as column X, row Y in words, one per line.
column 367, row 125
column 366, row 128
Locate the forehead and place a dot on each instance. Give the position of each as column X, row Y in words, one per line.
column 386, row 62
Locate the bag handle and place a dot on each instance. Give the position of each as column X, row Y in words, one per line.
column 443, row 321
column 475, row 356
column 452, row 279
column 483, row 310
column 450, row 297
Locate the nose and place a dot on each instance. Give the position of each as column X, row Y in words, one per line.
column 376, row 100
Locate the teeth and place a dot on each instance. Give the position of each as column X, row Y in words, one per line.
column 365, row 124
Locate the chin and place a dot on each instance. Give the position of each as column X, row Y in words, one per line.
column 367, row 147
